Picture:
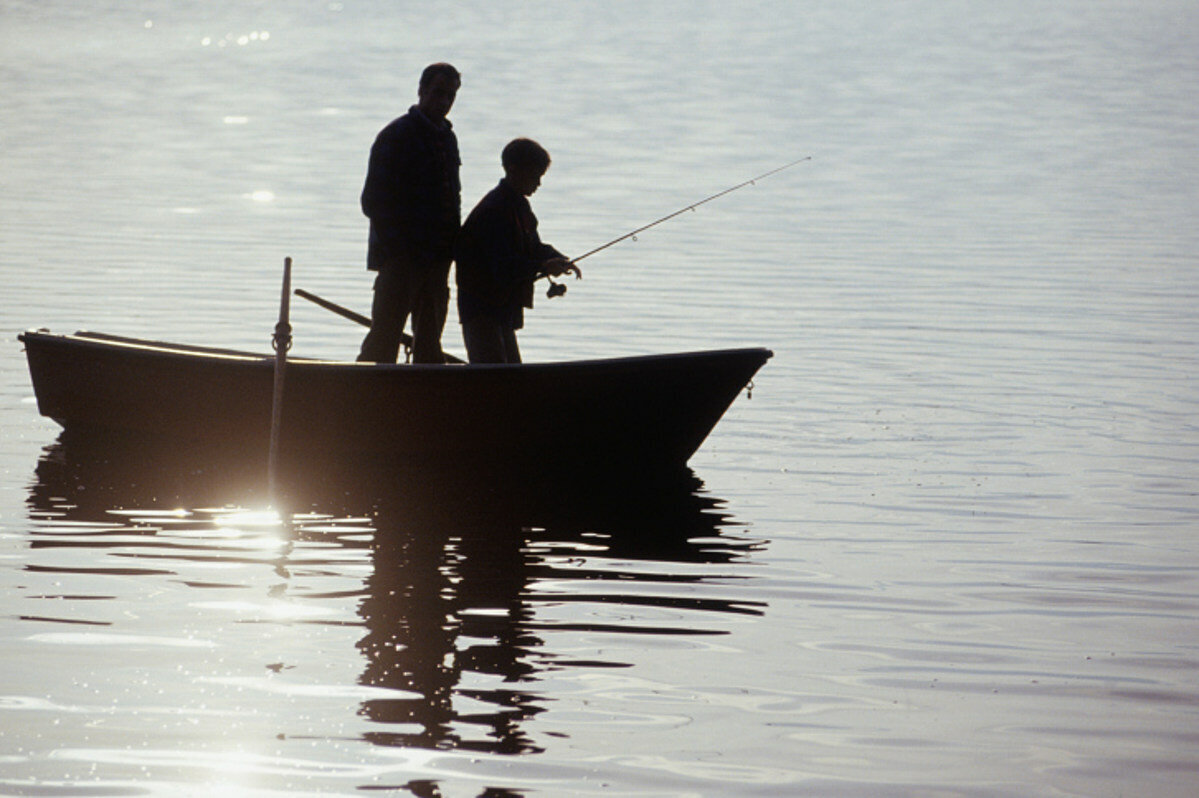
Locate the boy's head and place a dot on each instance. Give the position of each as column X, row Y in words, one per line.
column 525, row 161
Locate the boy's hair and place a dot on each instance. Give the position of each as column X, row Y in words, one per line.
column 524, row 154
column 440, row 68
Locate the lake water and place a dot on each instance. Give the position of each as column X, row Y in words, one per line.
column 949, row 547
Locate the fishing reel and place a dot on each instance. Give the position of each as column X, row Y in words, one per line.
column 558, row 289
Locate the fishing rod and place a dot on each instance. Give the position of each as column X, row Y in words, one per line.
column 558, row 289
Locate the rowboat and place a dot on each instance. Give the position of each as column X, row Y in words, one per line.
column 629, row 414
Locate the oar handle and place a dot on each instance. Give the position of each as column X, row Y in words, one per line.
column 346, row 313
column 339, row 310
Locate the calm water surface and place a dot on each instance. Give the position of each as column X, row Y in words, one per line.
column 948, row 547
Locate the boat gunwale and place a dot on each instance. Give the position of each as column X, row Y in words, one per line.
column 89, row 338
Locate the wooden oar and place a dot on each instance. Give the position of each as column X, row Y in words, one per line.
column 346, row 313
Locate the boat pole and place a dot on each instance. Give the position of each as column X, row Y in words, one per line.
column 281, row 343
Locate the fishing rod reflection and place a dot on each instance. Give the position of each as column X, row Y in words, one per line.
column 475, row 593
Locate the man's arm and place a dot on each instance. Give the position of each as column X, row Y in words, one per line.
column 388, row 193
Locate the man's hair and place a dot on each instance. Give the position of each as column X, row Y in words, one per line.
column 440, row 68
column 525, row 154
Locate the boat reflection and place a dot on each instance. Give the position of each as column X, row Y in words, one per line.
column 475, row 584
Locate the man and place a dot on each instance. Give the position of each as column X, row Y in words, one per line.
column 500, row 254
column 413, row 198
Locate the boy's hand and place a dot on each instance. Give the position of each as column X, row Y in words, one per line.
column 556, row 267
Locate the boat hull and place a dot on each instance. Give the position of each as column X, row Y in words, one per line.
column 625, row 413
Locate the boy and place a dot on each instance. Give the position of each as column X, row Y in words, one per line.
column 499, row 255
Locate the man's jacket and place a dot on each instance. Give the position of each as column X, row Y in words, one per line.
column 412, row 195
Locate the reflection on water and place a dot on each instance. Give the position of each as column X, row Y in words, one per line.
column 456, row 586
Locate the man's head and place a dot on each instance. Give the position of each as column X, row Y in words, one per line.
column 438, row 87
column 524, row 161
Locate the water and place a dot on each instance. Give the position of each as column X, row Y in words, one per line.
column 947, row 548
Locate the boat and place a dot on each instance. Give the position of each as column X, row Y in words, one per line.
column 616, row 415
